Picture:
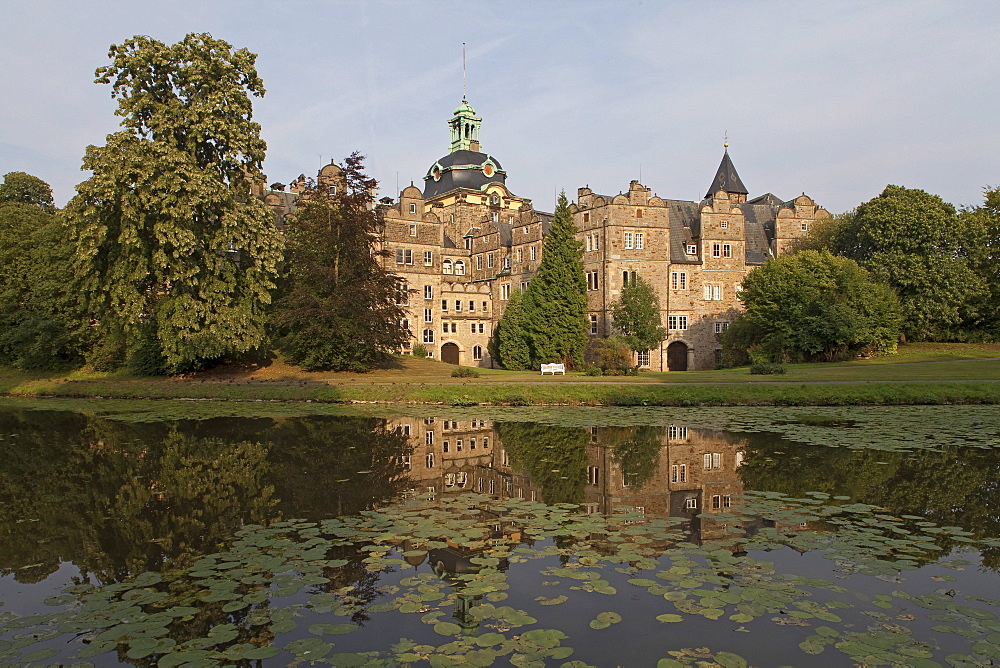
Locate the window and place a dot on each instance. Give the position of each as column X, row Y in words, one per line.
column 713, row 292
column 446, row 446
column 428, row 420
column 643, row 357
column 429, row 438
column 692, row 249
column 716, row 501
column 628, row 240
column 404, row 460
column 429, row 460
column 505, row 291
column 678, row 280
column 489, row 261
column 404, row 256
column 428, row 258
column 485, row 307
column 534, row 253
column 724, row 224
column 472, row 328
column 468, row 243
column 691, row 504
column 446, row 267
column 625, row 277
column 444, row 304
column 586, row 217
column 677, row 322
column 428, row 315
column 713, row 460
column 805, row 227
column 740, row 456
column 479, row 262
column 720, row 327
column 402, row 294
column 428, row 336
column 458, row 445
column 458, row 306
column 589, row 243
column 413, row 208
column 332, row 190
column 593, row 475
column 428, row 292
column 495, row 217
column 639, row 236
column 520, row 255
column 477, row 352
column 593, row 323
column 486, row 442
column 413, row 230
column 679, row 473
column 716, row 250
column 727, row 501
column 460, row 268
column 727, row 250
column 675, row 432
column 472, row 444
column 506, row 262
column 482, row 328
column 593, row 280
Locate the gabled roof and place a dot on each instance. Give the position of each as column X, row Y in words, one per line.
column 726, row 178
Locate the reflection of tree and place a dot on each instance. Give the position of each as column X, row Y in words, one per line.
column 636, row 450
column 334, row 466
column 952, row 487
column 554, row 457
column 118, row 499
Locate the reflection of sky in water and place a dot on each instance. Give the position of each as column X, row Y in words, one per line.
column 114, row 498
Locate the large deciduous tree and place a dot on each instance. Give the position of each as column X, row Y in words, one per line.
column 981, row 250
column 176, row 257
column 339, row 309
column 41, row 321
column 913, row 240
column 555, row 303
column 813, row 306
column 637, row 315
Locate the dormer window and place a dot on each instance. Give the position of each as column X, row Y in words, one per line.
column 494, row 200
column 332, row 190
column 692, row 249
column 413, row 208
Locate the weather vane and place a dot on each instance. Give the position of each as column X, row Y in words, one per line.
column 725, row 139
column 464, row 91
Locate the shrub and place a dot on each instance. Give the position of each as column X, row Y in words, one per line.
column 766, row 369
column 612, row 355
column 465, row 372
column 419, row 350
column 594, row 371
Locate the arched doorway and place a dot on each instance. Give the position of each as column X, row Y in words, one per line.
column 677, row 356
column 449, row 353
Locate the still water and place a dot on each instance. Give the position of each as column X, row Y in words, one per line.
column 262, row 536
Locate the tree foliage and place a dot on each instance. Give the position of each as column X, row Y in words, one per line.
column 637, row 315
column 41, row 321
column 914, row 241
column 22, row 188
column 338, row 309
column 555, row 303
column 814, row 306
column 173, row 252
column 981, row 250
column 509, row 344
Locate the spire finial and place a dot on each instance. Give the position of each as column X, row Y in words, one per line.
column 725, row 140
column 464, row 91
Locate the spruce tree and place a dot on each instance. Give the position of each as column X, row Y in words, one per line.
column 177, row 258
column 555, row 303
column 510, row 344
column 338, row 308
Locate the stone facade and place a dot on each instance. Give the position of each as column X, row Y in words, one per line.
column 464, row 242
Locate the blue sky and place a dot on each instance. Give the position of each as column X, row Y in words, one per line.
column 833, row 98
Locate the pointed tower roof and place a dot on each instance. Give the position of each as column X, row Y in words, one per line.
column 726, row 178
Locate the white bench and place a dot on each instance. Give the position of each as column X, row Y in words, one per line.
column 554, row 369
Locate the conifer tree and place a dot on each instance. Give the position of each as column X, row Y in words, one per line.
column 555, row 303
column 510, row 344
column 339, row 309
column 176, row 257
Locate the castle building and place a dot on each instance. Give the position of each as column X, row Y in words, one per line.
column 464, row 242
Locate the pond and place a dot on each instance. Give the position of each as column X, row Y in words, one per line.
column 200, row 533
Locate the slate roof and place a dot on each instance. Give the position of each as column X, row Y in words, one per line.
column 726, row 178
column 462, row 169
column 685, row 222
column 758, row 222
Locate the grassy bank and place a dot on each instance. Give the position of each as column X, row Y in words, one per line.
column 920, row 374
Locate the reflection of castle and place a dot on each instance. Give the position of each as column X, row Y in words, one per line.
column 692, row 471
